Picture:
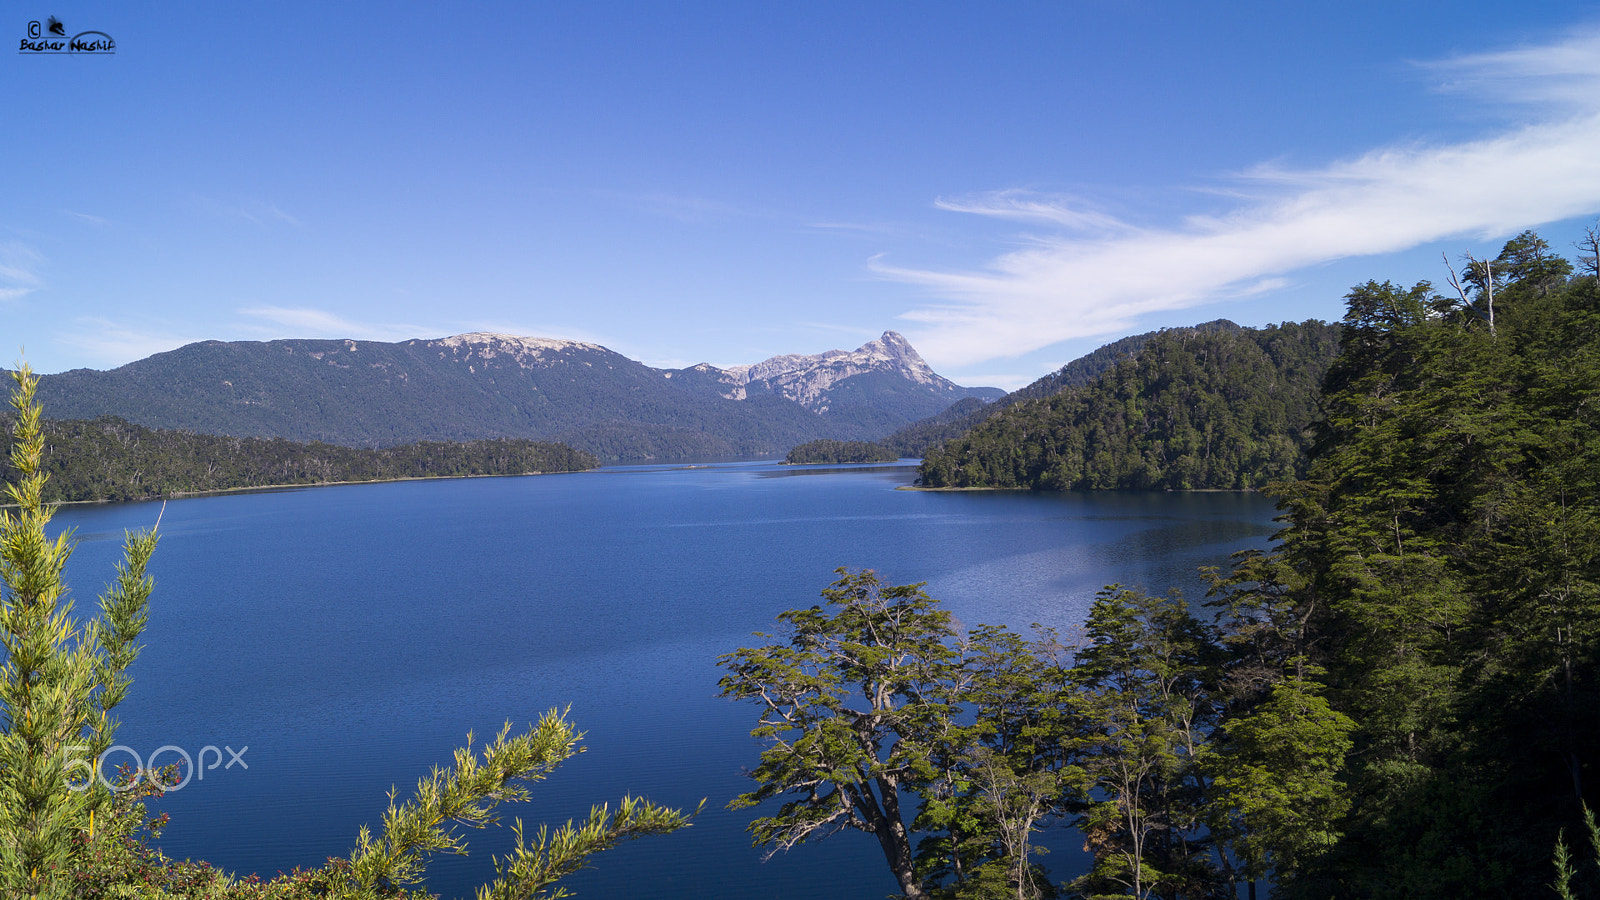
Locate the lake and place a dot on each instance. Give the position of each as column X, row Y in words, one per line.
column 351, row 636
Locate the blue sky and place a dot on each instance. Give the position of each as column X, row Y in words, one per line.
column 1009, row 185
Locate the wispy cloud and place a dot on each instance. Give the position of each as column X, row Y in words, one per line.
column 257, row 212
column 1006, row 381
column 92, row 220
column 19, row 270
column 688, row 209
column 526, row 329
column 865, row 334
column 319, row 323
column 1026, row 206
column 869, row 229
column 1564, row 73
column 111, row 343
column 1096, row 275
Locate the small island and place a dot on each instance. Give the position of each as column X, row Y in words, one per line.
column 827, row 451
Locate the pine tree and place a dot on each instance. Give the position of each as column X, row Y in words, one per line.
column 61, row 677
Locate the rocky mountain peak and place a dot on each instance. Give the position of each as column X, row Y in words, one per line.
column 895, row 344
column 525, row 351
column 807, row 378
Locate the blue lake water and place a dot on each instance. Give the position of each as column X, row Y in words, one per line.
column 351, row 636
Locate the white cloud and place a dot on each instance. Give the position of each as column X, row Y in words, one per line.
column 1027, row 206
column 1564, row 73
column 525, row 329
column 1104, row 274
column 110, row 343
column 318, row 323
column 1005, row 381
column 19, row 265
column 854, row 331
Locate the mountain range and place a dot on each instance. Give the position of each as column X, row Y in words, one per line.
column 480, row 386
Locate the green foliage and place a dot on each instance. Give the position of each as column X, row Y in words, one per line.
column 1003, row 768
column 878, row 698
column 61, row 676
column 960, row 417
column 826, row 451
column 1439, row 585
column 918, row 438
column 852, row 706
column 530, row 869
column 468, row 795
column 1144, row 682
column 1190, row 410
column 1566, row 873
column 1276, row 799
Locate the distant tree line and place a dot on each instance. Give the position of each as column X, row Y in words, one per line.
column 827, row 451
column 1191, row 409
column 110, row 459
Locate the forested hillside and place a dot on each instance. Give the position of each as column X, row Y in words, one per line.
column 826, row 451
column 1211, row 407
column 917, row 438
column 109, row 459
column 1440, row 575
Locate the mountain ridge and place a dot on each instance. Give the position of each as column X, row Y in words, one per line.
column 483, row 385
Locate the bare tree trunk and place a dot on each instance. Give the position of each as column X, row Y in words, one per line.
column 1590, row 245
column 892, row 836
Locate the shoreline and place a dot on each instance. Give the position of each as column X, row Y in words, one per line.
column 952, row 490
column 179, row 495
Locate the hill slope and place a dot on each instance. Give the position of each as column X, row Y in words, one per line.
column 1191, row 409
column 959, row 418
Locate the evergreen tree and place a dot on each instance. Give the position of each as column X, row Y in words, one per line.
column 61, row 677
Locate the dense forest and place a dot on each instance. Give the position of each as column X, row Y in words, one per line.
column 826, row 451
column 919, row 437
column 109, row 459
column 1210, row 407
column 1439, row 578
column 1397, row 701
